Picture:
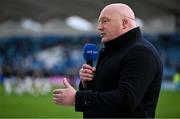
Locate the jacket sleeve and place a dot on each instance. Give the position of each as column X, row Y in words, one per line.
column 136, row 75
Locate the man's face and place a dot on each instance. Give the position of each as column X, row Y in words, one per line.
column 110, row 25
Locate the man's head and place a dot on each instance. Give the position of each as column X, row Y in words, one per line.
column 115, row 20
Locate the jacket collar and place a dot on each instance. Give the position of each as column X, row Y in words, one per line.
column 124, row 40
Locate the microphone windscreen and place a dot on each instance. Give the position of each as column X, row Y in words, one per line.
column 90, row 52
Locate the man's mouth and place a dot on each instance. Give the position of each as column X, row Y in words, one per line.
column 102, row 35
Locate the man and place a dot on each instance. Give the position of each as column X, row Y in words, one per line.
column 127, row 79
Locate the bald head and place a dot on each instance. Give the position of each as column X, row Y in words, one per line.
column 121, row 9
column 115, row 20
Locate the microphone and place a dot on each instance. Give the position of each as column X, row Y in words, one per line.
column 90, row 53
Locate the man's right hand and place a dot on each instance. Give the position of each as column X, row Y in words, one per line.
column 86, row 73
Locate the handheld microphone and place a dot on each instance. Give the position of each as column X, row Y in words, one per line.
column 90, row 53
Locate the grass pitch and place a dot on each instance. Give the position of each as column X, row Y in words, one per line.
column 27, row 106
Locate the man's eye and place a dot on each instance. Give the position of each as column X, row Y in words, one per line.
column 105, row 21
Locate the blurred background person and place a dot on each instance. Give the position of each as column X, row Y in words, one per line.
column 176, row 77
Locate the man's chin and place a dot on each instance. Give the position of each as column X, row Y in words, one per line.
column 104, row 40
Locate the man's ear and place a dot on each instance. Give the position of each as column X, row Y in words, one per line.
column 124, row 23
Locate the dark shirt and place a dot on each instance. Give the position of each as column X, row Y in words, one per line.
column 127, row 80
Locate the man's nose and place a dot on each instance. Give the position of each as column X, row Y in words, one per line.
column 100, row 26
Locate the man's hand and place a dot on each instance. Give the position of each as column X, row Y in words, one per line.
column 64, row 96
column 86, row 73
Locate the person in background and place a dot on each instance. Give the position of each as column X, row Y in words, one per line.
column 1, row 76
column 127, row 79
column 176, row 78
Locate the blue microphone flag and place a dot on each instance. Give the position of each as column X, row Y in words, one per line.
column 90, row 52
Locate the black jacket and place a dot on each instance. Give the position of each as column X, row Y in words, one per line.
column 127, row 80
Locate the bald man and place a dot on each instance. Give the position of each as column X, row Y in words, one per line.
column 126, row 81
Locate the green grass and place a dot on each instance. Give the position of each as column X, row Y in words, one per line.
column 33, row 107
column 168, row 105
column 43, row 106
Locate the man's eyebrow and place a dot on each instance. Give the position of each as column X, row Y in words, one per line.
column 103, row 18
